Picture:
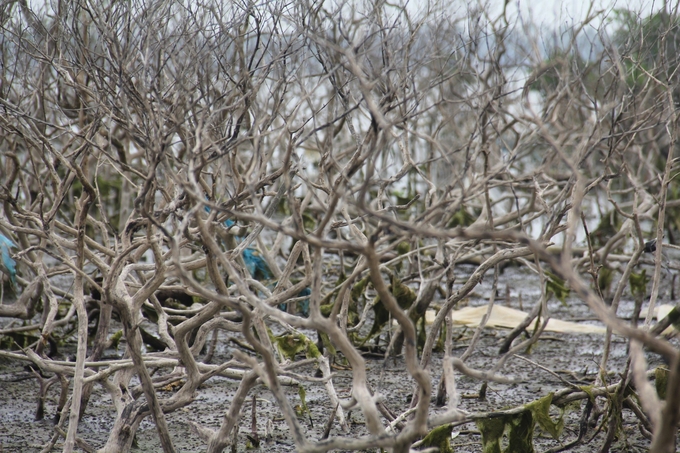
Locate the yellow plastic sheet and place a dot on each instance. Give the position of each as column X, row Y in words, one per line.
column 509, row 318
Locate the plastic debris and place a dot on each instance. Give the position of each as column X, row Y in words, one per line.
column 257, row 266
column 660, row 312
column 650, row 246
column 302, row 307
column 509, row 318
column 8, row 265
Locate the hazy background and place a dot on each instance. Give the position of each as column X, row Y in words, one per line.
column 551, row 13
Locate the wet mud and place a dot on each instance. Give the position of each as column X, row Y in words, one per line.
column 572, row 359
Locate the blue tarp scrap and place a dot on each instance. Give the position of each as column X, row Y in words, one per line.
column 257, row 266
column 8, row 265
column 303, row 306
column 254, row 262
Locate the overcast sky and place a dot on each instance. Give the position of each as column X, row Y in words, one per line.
column 565, row 12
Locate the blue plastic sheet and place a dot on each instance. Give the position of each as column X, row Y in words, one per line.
column 8, row 265
column 257, row 267
column 303, row 307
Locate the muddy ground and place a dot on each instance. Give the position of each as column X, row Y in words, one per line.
column 572, row 357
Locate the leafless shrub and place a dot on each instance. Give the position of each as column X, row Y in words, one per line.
column 149, row 148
